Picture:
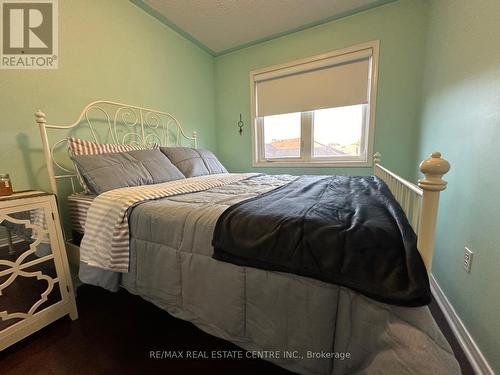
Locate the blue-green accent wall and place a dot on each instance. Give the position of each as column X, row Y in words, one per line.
column 397, row 25
column 460, row 116
column 107, row 50
column 439, row 80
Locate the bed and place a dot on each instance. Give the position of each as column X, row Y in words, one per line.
column 300, row 323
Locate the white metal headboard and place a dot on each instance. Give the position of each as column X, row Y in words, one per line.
column 109, row 122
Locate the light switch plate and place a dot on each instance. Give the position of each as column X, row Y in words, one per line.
column 468, row 255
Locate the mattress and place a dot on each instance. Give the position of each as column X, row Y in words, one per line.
column 78, row 206
column 171, row 265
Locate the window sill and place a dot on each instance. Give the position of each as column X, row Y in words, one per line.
column 314, row 164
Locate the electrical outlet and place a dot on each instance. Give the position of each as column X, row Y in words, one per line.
column 468, row 254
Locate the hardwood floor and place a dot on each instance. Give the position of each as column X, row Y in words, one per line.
column 116, row 333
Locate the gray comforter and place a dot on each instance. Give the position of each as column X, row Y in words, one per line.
column 321, row 324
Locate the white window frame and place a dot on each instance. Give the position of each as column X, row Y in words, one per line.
column 367, row 135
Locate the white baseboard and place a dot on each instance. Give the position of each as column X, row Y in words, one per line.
column 469, row 346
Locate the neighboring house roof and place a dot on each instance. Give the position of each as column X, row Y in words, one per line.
column 291, row 147
column 293, row 143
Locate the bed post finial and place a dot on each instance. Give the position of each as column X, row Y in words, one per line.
column 433, row 168
column 40, row 117
column 195, row 138
column 377, row 158
column 42, row 121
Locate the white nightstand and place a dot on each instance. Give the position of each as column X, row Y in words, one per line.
column 35, row 282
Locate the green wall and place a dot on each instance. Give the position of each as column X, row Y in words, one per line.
column 107, row 50
column 113, row 50
column 439, row 79
column 398, row 26
column 461, row 118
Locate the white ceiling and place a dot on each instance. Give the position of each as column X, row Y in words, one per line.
column 221, row 25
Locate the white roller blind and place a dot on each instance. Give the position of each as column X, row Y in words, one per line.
column 332, row 82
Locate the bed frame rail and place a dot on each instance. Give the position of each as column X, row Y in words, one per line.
column 420, row 203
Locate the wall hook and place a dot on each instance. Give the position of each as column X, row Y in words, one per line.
column 240, row 125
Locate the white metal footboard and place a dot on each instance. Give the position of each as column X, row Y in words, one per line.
column 420, row 203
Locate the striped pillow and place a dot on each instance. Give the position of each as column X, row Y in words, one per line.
column 79, row 146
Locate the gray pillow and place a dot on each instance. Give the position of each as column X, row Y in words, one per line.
column 133, row 168
column 193, row 162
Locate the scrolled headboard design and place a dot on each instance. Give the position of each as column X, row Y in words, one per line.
column 106, row 121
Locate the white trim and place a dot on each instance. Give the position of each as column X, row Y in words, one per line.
column 467, row 343
column 306, row 133
column 373, row 98
column 342, row 163
column 358, row 51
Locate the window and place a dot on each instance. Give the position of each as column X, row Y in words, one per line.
column 316, row 112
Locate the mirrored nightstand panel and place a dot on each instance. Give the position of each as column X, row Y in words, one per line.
column 34, row 285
